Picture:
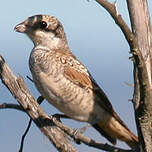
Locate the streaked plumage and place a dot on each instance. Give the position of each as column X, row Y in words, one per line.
column 66, row 83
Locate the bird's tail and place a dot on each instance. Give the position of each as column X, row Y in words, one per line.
column 113, row 130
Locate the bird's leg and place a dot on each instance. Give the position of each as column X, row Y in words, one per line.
column 59, row 116
column 80, row 131
column 76, row 131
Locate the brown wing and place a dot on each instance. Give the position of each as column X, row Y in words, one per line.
column 85, row 80
column 78, row 78
column 79, row 75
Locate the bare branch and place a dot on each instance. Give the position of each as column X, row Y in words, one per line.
column 78, row 137
column 112, row 10
column 11, row 106
column 24, row 135
column 39, row 100
column 141, row 27
column 29, row 78
column 88, row 141
column 46, row 124
column 140, row 41
column 20, row 92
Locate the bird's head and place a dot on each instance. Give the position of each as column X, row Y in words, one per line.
column 42, row 29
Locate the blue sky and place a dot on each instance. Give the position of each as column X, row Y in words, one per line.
column 93, row 37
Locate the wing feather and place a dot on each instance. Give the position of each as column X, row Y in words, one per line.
column 80, row 76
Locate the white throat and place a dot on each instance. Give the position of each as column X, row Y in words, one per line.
column 48, row 40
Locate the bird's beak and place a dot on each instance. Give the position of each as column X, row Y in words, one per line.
column 22, row 28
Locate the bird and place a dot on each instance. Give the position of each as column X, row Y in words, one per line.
column 66, row 83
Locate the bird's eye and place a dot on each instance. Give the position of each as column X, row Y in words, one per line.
column 43, row 24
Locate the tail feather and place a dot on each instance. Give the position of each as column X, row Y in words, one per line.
column 113, row 130
column 113, row 140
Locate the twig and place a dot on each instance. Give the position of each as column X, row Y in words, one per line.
column 86, row 140
column 129, row 84
column 29, row 78
column 18, row 107
column 112, row 10
column 39, row 100
column 80, row 137
column 52, row 128
column 20, row 92
column 24, row 135
column 11, row 106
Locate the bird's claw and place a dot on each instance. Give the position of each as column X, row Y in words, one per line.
column 80, row 131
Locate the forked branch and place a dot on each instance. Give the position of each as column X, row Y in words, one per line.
column 112, row 10
column 20, row 92
column 52, row 128
column 140, row 42
column 71, row 132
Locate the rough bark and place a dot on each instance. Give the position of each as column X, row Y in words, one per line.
column 20, row 92
column 140, row 42
column 141, row 28
column 56, row 132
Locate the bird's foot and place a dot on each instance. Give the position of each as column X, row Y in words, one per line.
column 59, row 116
column 80, row 131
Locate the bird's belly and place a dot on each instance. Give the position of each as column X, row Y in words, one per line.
column 74, row 101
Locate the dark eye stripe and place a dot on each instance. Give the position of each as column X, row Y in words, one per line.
column 34, row 19
column 39, row 17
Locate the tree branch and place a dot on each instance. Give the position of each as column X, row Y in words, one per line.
column 88, row 141
column 11, row 106
column 71, row 132
column 52, row 128
column 140, row 42
column 112, row 10
column 20, row 92
column 141, row 27
column 24, row 135
column 49, row 126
